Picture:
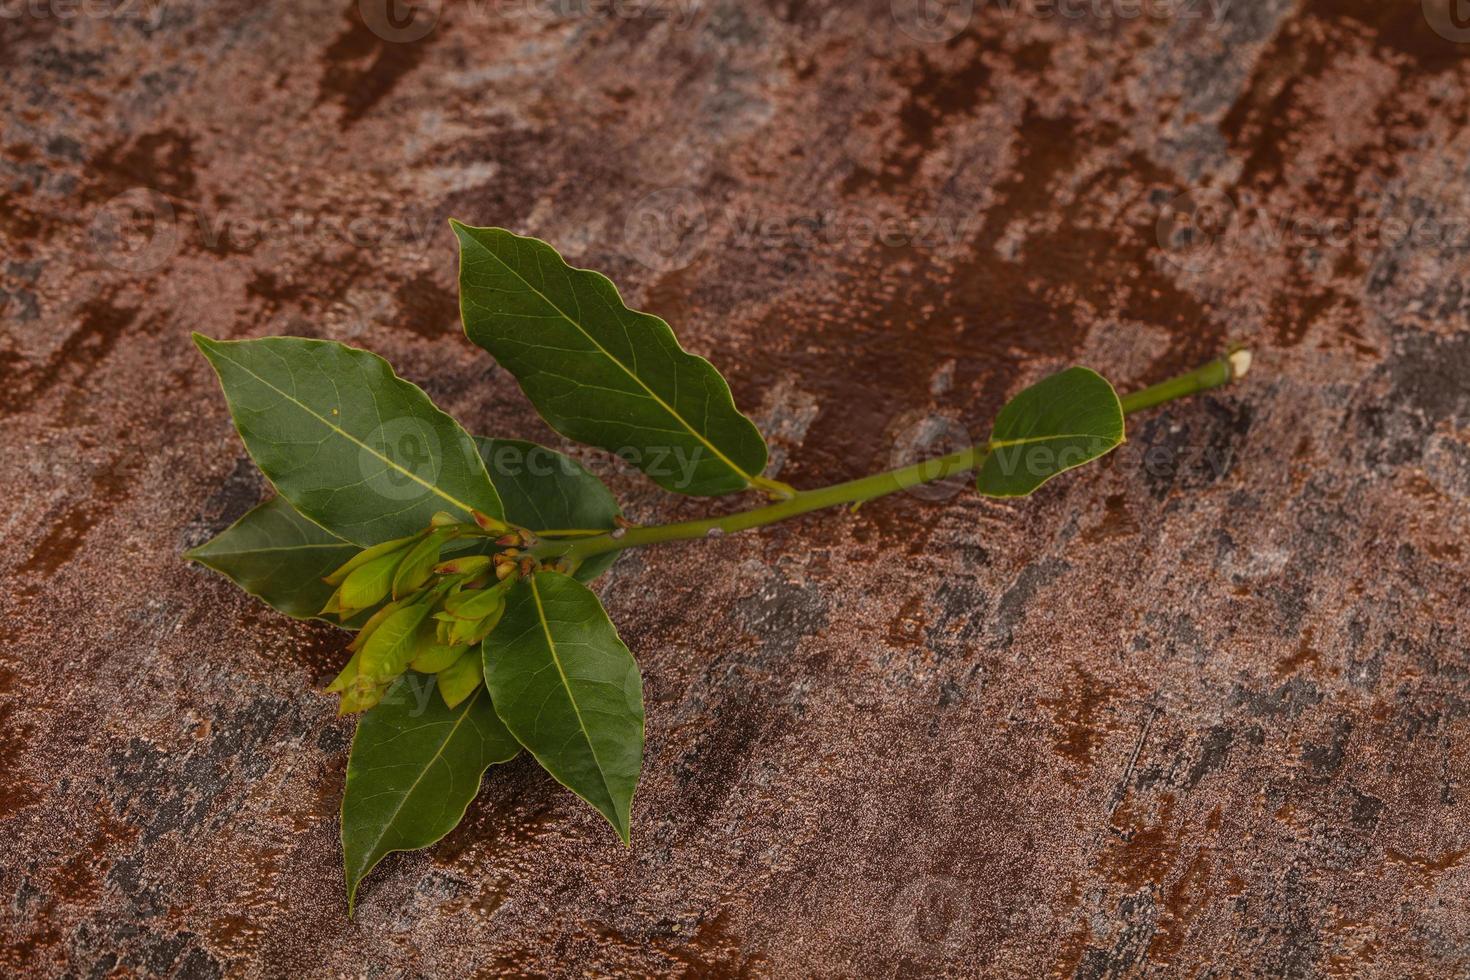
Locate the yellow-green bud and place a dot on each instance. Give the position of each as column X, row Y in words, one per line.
column 489, row 524
column 464, row 565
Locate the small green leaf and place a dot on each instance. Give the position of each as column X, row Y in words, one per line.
column 387, row 652
column 543, row 489
column 366, row 555
column 460, row 679
column 599, row 372
column 464, row 632
column 415, row 766
column 464, row 565
column 1055, row 425
column 368, row 584
column 350, row 444
column 419, row 563
column 278, row 556
column 360, row 694
column 371, row 624
column 430, row 657
column 474, row 604
column 569, row 691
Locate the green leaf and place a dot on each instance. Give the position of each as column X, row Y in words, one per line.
column 387, row 652
column 367, row 585
column 543, row 489
column 351, row 445
column 474, row 604
column 569, row 691
column 366, row 555
column 414, row 768
column 1055, row 425
column 418, row 564
column 460, row 679
column 278, row 556
column 430, row 657
column 599, row 372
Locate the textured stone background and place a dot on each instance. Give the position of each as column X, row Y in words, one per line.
column 1199, row 711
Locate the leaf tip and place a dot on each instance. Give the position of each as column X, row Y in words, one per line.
column 460, row 229
column 622, row 821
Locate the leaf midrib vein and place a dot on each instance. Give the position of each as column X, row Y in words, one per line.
column 1003, row 443
column 278, row 547
column 566, row 683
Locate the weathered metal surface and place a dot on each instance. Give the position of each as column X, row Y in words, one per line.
column 1200, row 710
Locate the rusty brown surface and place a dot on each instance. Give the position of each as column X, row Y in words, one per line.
column 1199, row 711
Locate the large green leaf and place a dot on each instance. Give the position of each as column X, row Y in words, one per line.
column 278, row 556
column 599, row 372
column 569, row 691
column 1055, row 425
column 351, row 445
column 543, row 489
column 414, row 768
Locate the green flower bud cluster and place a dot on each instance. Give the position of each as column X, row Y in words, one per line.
column 425, row 612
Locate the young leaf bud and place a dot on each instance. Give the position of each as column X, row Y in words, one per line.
column 432, row 657
column 365, row 556
column 474, row 605
column 443, row 519
column 374, row 621
column 419, row 563
column 464, row 565
column 465, row 632
column 459, row 680
column 368, row 584
column 386, row 654
column 487, row 625
column 490, row 524
column 361, row 696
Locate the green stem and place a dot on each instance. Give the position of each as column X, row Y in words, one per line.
column 853, row 492
column 1220, row 371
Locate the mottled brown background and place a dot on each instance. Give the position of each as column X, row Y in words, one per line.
column 1201, row 710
